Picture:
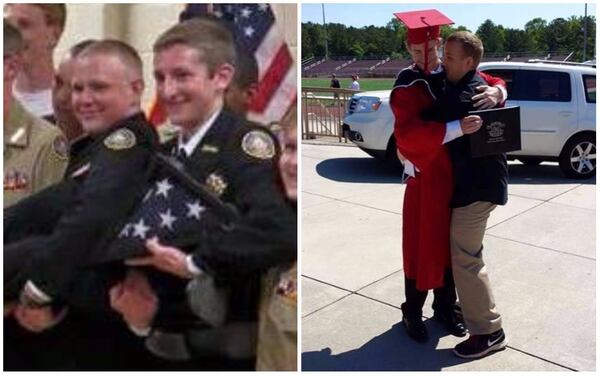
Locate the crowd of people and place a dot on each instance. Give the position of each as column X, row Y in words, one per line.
column 130, row 247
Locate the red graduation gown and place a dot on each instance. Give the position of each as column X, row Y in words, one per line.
column 426, row 212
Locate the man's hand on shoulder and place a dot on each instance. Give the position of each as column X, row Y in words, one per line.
column 489, row 97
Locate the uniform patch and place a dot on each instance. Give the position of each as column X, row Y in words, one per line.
column 120, row 140
column 216, row 184
column 60, row 146
column 258, row 144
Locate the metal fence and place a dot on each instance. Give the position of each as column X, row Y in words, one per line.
column 323, row 111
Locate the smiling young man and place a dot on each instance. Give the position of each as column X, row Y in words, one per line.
column 193, row 67
column 73, row 215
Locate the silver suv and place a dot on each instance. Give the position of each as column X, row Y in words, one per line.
column 558, row 115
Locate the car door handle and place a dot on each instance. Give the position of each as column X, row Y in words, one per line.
column 566, row 113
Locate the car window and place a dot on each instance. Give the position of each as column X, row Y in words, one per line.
column 533, row 85
column 507, row 75
column 589, row 83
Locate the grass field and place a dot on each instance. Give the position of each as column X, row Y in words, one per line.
column 366, row 84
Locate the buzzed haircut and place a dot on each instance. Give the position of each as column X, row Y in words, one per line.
column 13, row 40
column 471, row 45
column 77, row 48
column 246, row 70
column 210, row 37
column 124, row 52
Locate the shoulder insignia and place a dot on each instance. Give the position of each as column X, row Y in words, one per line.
column 120, row 139
column 258, row 144
column 60, row 146
column 216, row 184
column 209, row 149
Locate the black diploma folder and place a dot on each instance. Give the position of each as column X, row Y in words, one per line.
column 499, row 133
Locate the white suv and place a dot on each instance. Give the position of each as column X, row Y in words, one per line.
column 558, row 115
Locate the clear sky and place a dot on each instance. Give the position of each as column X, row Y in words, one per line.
column 470, row 15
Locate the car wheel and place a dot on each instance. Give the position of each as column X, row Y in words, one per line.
column 530, row 161
column 391, row 158
column 578, row 158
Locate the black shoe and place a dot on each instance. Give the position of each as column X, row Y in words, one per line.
column 415, row 328
column 477, row 346
column 453, row 323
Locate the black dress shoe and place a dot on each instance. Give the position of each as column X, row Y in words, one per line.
column 451, row 321
column 415, row 328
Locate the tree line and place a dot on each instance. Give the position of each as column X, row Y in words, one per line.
column 538, row 37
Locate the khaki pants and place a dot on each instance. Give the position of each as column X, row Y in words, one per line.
column 467, row 228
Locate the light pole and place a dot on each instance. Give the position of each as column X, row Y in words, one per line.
column 585, row 34
column 325, row 28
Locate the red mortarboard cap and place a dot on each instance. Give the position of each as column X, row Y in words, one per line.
column 423, row 25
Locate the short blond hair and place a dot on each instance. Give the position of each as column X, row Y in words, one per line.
column 123, row 51
column 471, row 45
column 210, row 37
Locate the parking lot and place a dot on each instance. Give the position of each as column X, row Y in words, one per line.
column 539, row 248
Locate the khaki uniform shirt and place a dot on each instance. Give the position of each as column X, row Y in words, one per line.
column 278, row 330
column 35, row 155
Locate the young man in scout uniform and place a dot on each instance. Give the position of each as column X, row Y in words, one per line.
column 49, row 235
column 35, row 152
column 193, row 66
column 107, row 88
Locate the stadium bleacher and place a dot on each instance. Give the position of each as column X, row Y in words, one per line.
column 387, row 67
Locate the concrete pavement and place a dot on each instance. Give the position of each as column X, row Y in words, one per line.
column 539, row 248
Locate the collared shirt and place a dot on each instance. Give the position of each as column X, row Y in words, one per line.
column 38, row 103
column 192, row 143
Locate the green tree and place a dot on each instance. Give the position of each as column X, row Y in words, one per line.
column 492, row 36
column 535, row 29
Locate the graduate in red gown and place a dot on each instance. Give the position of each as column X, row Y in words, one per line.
column 426, row 212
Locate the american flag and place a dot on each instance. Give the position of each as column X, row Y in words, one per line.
column 170, row 211
column 256, row 32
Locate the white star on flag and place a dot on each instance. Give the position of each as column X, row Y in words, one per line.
column 140, row 229
column 166, row 219
column 249, row 31
column 163, row 187
column 194, row 210
column 246, row 12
